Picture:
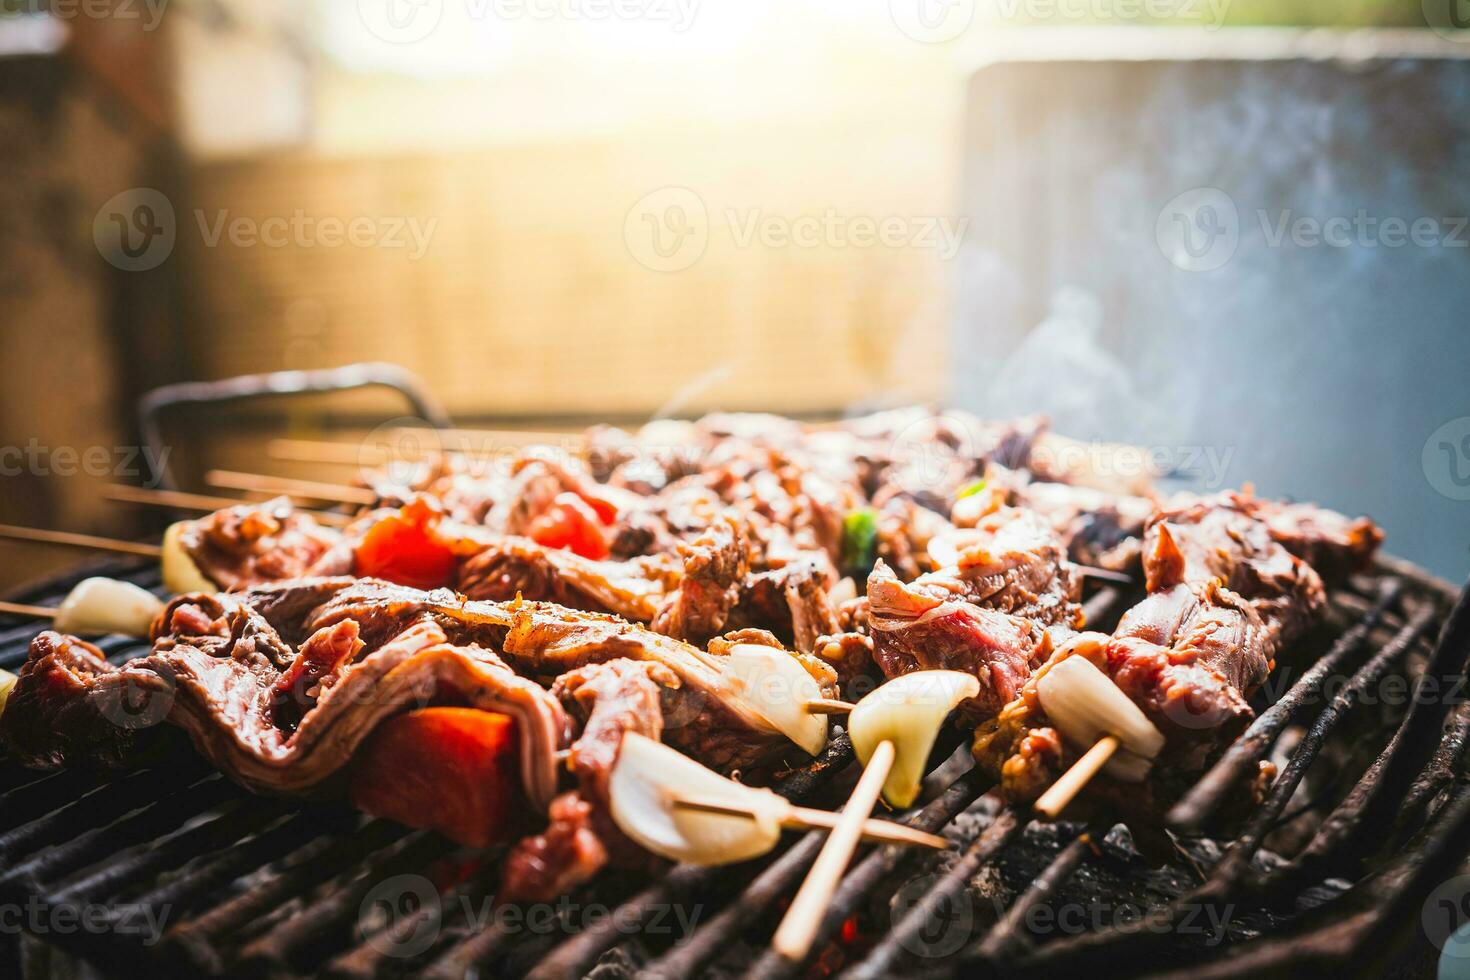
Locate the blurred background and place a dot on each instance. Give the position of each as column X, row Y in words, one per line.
column 1230, row 232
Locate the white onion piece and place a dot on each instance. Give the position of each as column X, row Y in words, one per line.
column 98, row 606
column 180, row 573
column 946, row 548
column 646, row 778
column 7, row 684
column 844, row 591
column 1084, row 705
column 776, row 685
column 907, row 711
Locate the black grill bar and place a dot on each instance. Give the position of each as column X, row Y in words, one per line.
column 1235, row 866
column 1351, row 935
column 321, row 926
column 885, row 958
column 114, row 876
column 104, row 839
column 203, row 941
column 1240, row 759
column 99, row 807
column 873, row 868
column 1010, row 932
column 1111, row 949
column 576, row 955
column 219, row 869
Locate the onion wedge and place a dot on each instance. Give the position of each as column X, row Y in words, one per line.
column 649, row 775
column 777, row 686
column 907, row 711
column 98, row 606
column 7, row 684
column 180, row 573
column 1084, row 704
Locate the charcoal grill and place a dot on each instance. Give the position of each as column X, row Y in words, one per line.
column 1371, row 809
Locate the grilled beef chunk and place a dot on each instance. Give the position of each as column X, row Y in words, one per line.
column 1222, row 538
column 990, row 615
column 715, row 566
column 236, row 686
column 520, row 567
column 914, row 628
column 1334, row 545
column 1098, row 528
column 791, row 602
column 254, row 544
column 611, row 699
column 1225, row 595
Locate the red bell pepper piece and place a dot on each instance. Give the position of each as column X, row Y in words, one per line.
column 406, row 548
column 571, row 523
column 454, row 770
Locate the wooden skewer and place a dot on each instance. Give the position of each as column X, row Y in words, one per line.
column 806, row 818
column 798, row 929
column 70, row 540
column 322, row 451
column 1105, row 575
column 195, row 501
column 1061, row 792
column 256, row 482
column 828, row 706
column 502, row 437
column 29, row 612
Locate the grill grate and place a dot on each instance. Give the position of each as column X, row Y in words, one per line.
column 279, row 888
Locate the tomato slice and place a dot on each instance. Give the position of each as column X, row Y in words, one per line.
column 453, row 770
column 406, row 548
column 573, row 524
column 606, row 510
